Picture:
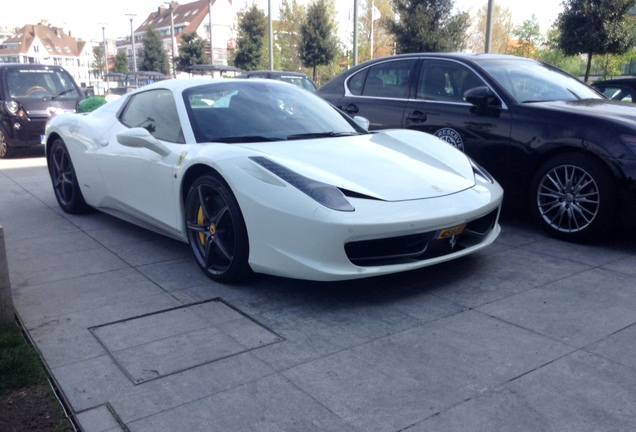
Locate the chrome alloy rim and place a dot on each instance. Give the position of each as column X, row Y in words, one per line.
column 568, row 198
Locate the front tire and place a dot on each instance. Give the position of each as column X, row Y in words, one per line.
column 65, row 185
column 5, row 152
column 216, row 230
column 573, row 197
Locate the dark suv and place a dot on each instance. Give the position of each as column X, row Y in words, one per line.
column 29, row 95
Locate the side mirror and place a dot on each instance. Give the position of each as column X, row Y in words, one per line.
column 482, row 97
column 141, row 138
column 363, row 122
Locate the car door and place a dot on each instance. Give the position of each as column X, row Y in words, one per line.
column 140, row 181
column 437, row 106
column 379, row 93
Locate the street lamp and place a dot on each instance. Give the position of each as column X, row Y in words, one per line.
column 211, row 46
column 132, row 41
column 105, row 57
column 172, row 38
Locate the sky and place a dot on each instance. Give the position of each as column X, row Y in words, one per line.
column 87, row 21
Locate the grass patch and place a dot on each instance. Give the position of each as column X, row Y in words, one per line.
column 20, row 364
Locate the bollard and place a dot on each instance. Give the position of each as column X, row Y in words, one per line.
column 7, row 313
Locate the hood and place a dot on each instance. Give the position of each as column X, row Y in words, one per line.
column 392, row 165
column 44, row 108
column 599, row 108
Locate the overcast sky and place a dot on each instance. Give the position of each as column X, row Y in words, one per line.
column 85, row 19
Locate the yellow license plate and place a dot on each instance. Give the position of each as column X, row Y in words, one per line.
column 449, row 232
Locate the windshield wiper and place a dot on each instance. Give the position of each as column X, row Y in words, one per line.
column 62, row 93
column 244, row 139
column 321, row 135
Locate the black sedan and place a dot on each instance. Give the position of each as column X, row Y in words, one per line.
column 550, row 140
column 622, row 89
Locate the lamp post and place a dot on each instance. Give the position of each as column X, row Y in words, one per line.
column 172, row 40
column 211, row 46
column 105, row 58
column 132, row 41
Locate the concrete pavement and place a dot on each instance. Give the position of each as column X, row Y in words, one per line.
column 532, row 334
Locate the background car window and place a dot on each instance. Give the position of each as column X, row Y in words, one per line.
column 41, row 83
column 156, row 112
column 446, row 81
column 618, row 93
column 390, row 79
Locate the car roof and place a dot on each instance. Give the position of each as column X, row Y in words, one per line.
column 28, row 66
column 274, row 72
column 617, row 80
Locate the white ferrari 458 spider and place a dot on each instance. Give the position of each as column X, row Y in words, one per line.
column 262, row 176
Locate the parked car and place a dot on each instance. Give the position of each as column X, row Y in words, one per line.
column 548, row 138
column 258, row 175
column 299, row 79
column 622, row 89
column 29, row 95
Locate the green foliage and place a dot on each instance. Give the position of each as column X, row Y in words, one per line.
column 90, row 104
column 250, row 41
column 428, row 26
column 191, row 52
column 154, row 57
column 319, row 43
column 121, row 62
column 501, row 30
column 98, row 61
column 528, row 36
column 595, row 27
column 292, row 15
column 19, row 362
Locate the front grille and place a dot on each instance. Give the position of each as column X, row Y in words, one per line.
column 417, row 247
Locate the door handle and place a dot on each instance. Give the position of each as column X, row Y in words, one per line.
column 416, row 116
column 350, row 108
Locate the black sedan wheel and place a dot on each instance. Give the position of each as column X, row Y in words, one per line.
column 67, row 191
column 4, row 147
column 216, row 230
column 573, row 197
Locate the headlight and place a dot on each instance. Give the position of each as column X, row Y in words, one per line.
column 325, row 194
column 630, row 141
column 481, row 172
column 12, row 106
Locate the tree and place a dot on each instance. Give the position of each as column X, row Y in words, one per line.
column 292, row 16
column 250, row 41
column 154, row 56
column 121, row 62
column 528, row 36
column 427, row 26
column 319, row 42
column 382, row 39
column 98, row 62
column 191, row 51
column 501, row 30
column 595, row 27
column 552, row 54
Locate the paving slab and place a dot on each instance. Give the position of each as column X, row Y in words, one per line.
column 530, row 334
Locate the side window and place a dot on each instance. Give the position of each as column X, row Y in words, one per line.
column 388, row 79
column 446, row 81
column 155, row 111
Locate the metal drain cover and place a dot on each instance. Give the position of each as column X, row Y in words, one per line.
column 170, row 341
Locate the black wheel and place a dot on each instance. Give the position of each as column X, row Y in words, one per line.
column 4, row 147
column 216, row 230
column 573, row 197
column 67, row 191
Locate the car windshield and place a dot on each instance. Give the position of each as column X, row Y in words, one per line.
column 248, row 111
column 41, row 84
column 529, row 81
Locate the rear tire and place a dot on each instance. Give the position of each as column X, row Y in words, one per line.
column 573, row 196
